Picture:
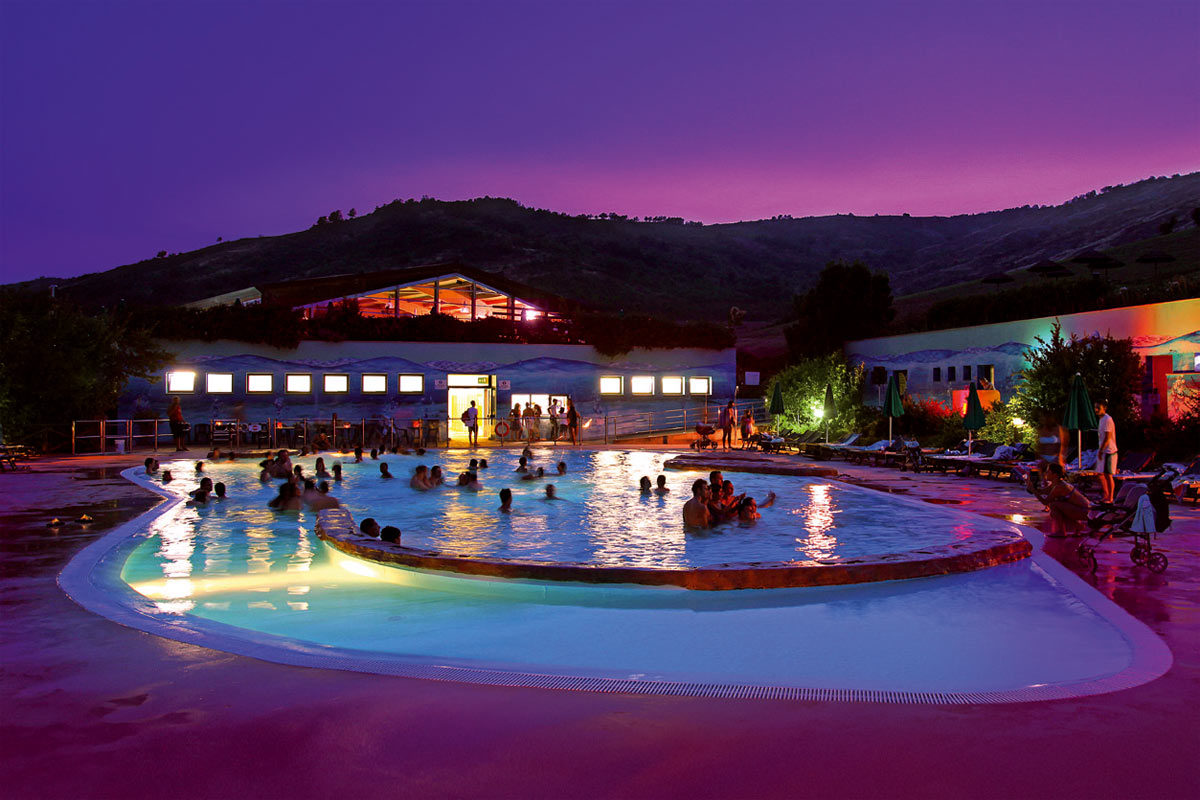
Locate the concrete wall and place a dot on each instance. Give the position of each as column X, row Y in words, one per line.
column 1168, row 333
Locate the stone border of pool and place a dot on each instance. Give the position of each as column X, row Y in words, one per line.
column 336, row 527
column 92, row 578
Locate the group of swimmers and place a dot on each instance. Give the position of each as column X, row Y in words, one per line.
column 425, row 478
column 388, row 533
column 714, row 502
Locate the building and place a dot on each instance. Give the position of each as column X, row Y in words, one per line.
column 936, row 364
column 404, row 382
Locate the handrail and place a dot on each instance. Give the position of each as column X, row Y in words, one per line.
column 103, row 435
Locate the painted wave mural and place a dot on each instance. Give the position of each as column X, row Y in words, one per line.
column 542, row 375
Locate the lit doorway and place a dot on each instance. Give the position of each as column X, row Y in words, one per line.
column 462, row 389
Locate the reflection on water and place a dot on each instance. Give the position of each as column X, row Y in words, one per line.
column 820, row 544
column 238, row 552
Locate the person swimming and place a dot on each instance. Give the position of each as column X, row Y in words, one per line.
column 469, row 481
column 320, row 468
column 506, row 501
column 696, row 513
column 534, row 476
column 662, row 485
column 219, row 490
column 337, row 472
column 562, row 468
column 436, row 478
column 644, row 484
column 420, row 478
column 369, row 528
column 287, row 499
column 390, row 533
column 522, row 464
column 551, row 494
column 747, row 509
column 383, row 470
column 483, row 463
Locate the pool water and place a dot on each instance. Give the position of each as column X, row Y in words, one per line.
column 254, row 574
column 601, row 518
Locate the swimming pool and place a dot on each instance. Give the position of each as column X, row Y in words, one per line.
column 242, row 579
column 601, row 518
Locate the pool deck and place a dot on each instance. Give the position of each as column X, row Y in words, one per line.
column 93, row 709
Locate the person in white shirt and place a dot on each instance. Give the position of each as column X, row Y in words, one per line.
column 471, row 420
column 1106, row 453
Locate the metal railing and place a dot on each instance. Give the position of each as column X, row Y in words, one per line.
column 335, row 433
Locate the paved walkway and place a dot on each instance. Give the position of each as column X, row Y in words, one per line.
column 91, row 709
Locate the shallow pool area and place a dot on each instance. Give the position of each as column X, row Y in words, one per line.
column 237, row 577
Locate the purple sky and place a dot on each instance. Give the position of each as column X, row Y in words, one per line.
column 129, row 128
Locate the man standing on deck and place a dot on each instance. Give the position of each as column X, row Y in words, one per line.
column 471, row 420
column 725, row 421
column 1106, row 453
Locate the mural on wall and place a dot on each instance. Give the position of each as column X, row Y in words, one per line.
column 1162, row 329
column 541, row 374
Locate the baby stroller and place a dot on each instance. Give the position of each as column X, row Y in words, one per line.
column 703, row 432
column 1140, row 513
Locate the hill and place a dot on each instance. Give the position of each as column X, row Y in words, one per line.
column 669, row 267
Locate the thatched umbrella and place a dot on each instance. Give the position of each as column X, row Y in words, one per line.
column 1048, row 269
column 1079, row 413
column 997, row 278
column 1096, row 260
column 974, row 419
column 1155, row 257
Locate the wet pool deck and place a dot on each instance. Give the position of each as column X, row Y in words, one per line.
column 92, row 709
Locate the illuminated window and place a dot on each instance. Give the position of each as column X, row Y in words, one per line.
column 641, row 384
column 672, row 384
column 374, row 383
column 336, row 383
column 181, row 381
column 219, row 382
column 699, row 385
column 260, row 383
column 412, row 384
column 297, row 383
column 612, row 384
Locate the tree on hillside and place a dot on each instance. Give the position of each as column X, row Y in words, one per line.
column 1110, row 368
column 58, row 363
column 335, row 215
column 849, row 302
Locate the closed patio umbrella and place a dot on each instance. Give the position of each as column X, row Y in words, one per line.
column 892, row 405
column 776, row 406
column 974, row 419
column 1079, row 413
column 829, row 410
